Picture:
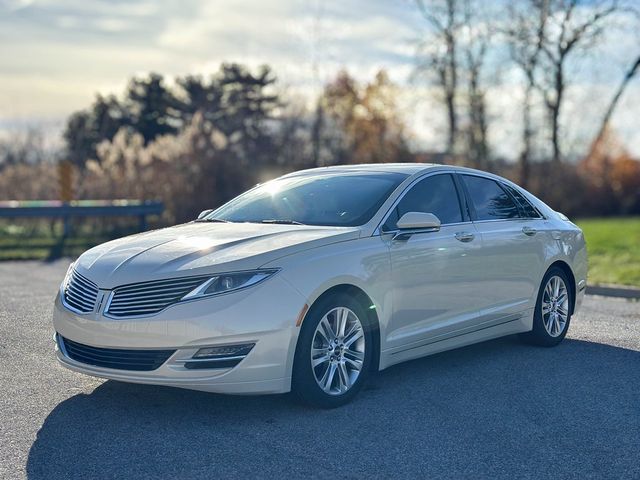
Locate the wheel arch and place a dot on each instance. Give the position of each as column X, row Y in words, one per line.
column 564, row 266
column 369, row 306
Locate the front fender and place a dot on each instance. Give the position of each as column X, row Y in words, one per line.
column 363, row 263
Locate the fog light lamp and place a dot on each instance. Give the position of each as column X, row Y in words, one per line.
column 224, row 351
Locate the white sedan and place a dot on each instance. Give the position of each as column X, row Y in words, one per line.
column 313, row 280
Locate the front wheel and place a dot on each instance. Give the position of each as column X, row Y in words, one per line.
column 334, row 352
column 552, row 314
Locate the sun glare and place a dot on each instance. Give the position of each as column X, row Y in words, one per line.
column 272, row 188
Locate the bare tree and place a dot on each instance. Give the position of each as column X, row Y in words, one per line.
column 570, row 25
column 474, row 50
column 318, row 122
column 631, row 72
column 526, row 33
column 444, row 20
column 317, row 128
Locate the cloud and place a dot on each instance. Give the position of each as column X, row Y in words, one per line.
column 56, row 55
column 13, row 5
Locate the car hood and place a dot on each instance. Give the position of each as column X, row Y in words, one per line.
column 200, row 248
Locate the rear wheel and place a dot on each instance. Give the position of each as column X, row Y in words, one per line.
column 334, row 352
column 553, row 310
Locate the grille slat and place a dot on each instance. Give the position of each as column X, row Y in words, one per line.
column 161, row 284
column 133, row 296
column 158, row 298
column 74, row 297
column 80, row 290
column 144, row 303
column 116, row 358
column 163, row 288
column 149, row 298
column 80, row 293
column 132, row 313
column 84, row 285
column 149, row 301
column 174, row 292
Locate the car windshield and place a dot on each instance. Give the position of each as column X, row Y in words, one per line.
column 345, row 199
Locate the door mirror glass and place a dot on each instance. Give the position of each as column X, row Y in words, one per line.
column 204, row 213
column 418, row 221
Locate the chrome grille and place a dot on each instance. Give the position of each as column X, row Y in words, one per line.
column 80, row 293
column 150, row 297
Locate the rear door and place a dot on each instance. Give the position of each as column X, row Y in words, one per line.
column 512, row 254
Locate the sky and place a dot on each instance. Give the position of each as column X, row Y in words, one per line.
column 55, row 55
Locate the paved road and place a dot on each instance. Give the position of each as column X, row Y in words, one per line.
column 499, row 409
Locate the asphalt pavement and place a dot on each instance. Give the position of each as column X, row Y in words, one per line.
column 500, row 409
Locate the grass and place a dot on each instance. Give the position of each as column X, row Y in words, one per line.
column 614, row 250
column 45, row 248
column 42, row 240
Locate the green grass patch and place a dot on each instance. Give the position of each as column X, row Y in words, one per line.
column 43, row 240
column 614, row 250
column 45, row 248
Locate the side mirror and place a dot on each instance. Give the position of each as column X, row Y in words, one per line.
column 418, row 221
column 204, row 213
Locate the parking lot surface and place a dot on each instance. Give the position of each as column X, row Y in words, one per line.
column 499, row 409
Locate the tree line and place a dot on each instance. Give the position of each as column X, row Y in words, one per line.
column 196, row 141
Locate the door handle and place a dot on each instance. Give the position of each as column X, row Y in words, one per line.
column 529, row 231
column 464, row 236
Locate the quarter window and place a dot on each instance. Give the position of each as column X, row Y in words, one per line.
column 528, row 210
column 490, row 201
column 436, row 194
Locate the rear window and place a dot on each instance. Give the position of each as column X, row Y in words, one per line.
column 490, row 201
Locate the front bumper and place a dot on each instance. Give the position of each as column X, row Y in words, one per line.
column 264, row 315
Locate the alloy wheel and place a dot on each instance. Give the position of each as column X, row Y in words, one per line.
column 337, row 351
column 555, row 306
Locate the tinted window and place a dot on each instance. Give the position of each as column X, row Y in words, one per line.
column 491, row 202
column 344, row 199
column 528, row 210
column 436, row 194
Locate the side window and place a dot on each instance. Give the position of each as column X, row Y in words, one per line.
column 528, row 210
column 436, row 194
column 491, row 202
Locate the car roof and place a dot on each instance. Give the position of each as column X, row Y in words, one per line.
column 408, row 169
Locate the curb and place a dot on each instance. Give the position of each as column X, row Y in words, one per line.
column 614, row 291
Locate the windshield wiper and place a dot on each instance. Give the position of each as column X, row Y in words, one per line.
column 213, row 220
column 281, row 222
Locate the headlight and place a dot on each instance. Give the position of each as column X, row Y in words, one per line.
column 228, row 282
column 67, row 276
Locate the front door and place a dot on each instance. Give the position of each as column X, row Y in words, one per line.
column 435, row 276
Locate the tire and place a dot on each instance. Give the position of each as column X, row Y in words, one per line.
column 551, row 326
column 318, row 385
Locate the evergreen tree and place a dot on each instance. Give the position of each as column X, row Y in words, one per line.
column 152, row 107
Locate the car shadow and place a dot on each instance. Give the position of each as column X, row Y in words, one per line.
column 499, row 409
